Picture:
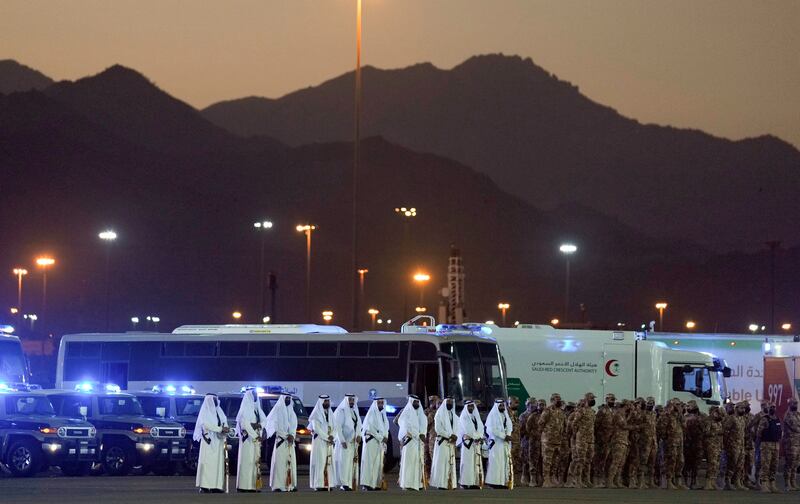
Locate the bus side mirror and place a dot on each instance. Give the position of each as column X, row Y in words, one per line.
column 162, row 412
column 84, row 411
column 726, row 372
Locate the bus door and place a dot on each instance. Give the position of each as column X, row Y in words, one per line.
column 423, row 370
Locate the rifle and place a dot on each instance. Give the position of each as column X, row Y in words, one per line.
column 289, row 481
column 227, row 465
column 384, row 485
column 356, row 462
column 478, row 462
column 422, row 463
column 510, row 482
column 328, row 460
column 452, row 460
column 259, row 483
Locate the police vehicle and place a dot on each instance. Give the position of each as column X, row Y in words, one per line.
column 128, row 438
column 230, row 402
column 33, row 437
column 178, row 403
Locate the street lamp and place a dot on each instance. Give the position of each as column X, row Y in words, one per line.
column 421, row 278
column 155, row 320
column 661, row 306
column 356, row 162
column 236, row 315
column 20, row 272
column 407, row 214
column 786, row 326
column 373, row 312
column 554, row 322
column 690, row 325
column 266, row 319
column 307, row 229
column 261, row 227
column 134, row 321
column 32, row 317
column 753, row 327
column 44, row 262
column 503, row 307
column 108, row 236
column 567, row 249
column 361, row 274
column 420, row 309
column 327, row 316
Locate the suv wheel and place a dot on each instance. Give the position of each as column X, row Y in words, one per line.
column 117, row 459
column 24, row 458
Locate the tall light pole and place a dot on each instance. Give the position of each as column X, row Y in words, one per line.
column 327, row 316
column 567, row 249
column 773, row 245
column 421, row 279
column 661, row 306
column 361, row 274
column 503, row 307
column 373, row 312
column 108, row 236
column 19, row 272
column 356, row 162
column 307, row 229
column 262, row 227
column 44, row 262
column 407, row 214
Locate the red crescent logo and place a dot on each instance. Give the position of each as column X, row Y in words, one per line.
column 608, row 367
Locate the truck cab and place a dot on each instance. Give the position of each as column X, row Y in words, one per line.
column 33, row 437
column 128, row 438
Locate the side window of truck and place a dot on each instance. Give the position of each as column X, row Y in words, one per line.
column 691, row 379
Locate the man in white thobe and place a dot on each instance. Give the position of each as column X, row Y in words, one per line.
column 211, row 431
column 347, row 431
column 499, row 470
column 320, row 422
column 413, row 428
column 470, row 434
column 282, row 423
column 443, row 463
column 375, row 431
column 249, row 428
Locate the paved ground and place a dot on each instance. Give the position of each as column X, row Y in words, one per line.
column 54, row 489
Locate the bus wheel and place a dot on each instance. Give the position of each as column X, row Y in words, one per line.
column 24, row 458
column 117, row 459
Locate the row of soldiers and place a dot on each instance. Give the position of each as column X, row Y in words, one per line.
column 639, row 444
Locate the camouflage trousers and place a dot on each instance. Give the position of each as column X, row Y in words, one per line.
column 714, row 458
column 673, row 460
column 619, row 454
column 750, row 464
column 632, row 464
column 550, row 459
column 564, row 458
column 581, row 458
column 601, row 458
column 525, row 461
column 535, row 462
column 647, row 460
column 735, row 463
column 693, row 456
column 792, row 460
column 769, row 462
column 516, row 456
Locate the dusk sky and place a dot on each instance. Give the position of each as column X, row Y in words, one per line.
column 729, row 67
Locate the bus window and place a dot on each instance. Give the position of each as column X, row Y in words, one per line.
column 353, row 349
column 233, row 349
column 471, row 371
column 381, row 349
column 262, row 348
column 322, row 349
column 295, row 349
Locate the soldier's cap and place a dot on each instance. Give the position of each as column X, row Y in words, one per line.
column 433, row 398
column 541, row 401
column 742, row 404
column 692, row 402
column 530, row 400
column 555, row 396
column 626, row 402
column 589, row 395
column 513, row 398
column 651, row 399
column 571, row 404
column 611, row 396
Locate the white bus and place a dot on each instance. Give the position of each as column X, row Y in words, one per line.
column 13, row 364
column 305, row 360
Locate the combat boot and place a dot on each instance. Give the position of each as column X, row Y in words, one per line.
column 709, row 484
column 773, row 485
column 671, row 485
column 548, row 482
column 570, row 483
column 679, row 483
column 587, row 483
column 523, row 479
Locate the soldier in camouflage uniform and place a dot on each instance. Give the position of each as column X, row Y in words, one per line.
column 552, row 423
column 513, row 412
column 603, row 429
column 712, row 437
column 648, row 445
column 693, row 449
column 430, row 413
column 619, row 443
column 524, row 441
column 636, row 424
column 674, row 425
column 752, row 453
column 565, row 450
column 582, row 425
column 658, row 465
column 734, row 428
column 535, row 444
column 768, row 434
column 791, row 439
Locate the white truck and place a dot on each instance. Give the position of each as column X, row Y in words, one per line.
column 540, row 360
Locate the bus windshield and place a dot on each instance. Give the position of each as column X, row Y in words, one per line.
column 472, row 372
column 12, row 361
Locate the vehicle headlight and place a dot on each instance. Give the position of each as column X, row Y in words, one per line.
column 47, row 430
column 139, row 430
column 154, row 432
column 92, row 432
column 62, row 432
column 183, row 432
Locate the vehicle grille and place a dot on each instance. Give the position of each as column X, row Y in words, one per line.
column 73, row 432
column 168, row 432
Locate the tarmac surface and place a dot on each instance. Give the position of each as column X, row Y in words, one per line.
column 53, row 488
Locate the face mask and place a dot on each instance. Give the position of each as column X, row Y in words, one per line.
column 591, row 402
column 559, row 404
column 747, row 409
column 772, row 410
column 793, row 408
column 741, row 412
column 650, row 407
column 610, row 404
column 449, row 406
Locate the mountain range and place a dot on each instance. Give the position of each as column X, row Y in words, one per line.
column 543, row 141
column 182, row 192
